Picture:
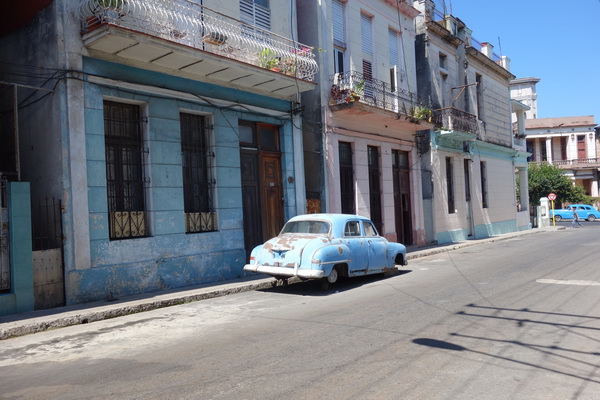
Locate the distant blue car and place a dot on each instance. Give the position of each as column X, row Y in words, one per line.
column 584, row 211
column 326, row 246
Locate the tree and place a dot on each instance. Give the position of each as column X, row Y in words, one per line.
column 547, row 178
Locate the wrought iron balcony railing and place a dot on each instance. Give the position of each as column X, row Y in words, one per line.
column 353, row 86
column 453, row 119
column 193, row 25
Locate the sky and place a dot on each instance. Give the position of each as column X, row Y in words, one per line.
column 556, row 41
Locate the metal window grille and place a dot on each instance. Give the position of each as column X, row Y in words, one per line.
column 375, row 187
column 347, row 178
column 124, row 170
column 197, row 182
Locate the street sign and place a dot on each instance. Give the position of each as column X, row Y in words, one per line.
column 552, row 196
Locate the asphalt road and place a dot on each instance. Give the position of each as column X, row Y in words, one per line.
column 514, row 319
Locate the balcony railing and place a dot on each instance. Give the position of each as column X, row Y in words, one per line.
column 453, row 119
column 193, row 25
column 579, row 162
column 354, row 86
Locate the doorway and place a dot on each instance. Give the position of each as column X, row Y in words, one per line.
column 262, row 191
column 402, row 204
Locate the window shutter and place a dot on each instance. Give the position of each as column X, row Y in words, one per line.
column 255, row 14
column 365, row 33
column 393, row 43
column 337, row 16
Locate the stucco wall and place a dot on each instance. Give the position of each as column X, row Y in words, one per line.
column 169, row 257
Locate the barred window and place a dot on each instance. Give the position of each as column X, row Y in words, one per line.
column 199, row 214
column 124, row 170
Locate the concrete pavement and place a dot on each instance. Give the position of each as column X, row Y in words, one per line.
column 39, row 321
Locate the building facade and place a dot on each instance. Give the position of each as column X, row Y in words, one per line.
column 169, row 130
column 570, row 143
column 471, row 161
column 524, row 90
column 360, row 128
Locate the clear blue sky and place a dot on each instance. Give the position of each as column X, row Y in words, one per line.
column 556, row 41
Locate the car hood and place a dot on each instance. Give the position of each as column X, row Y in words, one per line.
column 288, row 249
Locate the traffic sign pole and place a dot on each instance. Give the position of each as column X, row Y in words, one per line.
column 552, row 197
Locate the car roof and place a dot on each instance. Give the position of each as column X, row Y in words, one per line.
column 333, row 217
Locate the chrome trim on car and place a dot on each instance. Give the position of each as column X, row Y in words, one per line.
column 285, row 271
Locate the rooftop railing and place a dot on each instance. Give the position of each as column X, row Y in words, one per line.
column 193, row 25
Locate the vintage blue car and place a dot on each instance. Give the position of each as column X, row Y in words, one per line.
column 584, row 211
column 326, row 246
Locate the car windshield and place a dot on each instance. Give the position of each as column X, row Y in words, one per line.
column 314, row 227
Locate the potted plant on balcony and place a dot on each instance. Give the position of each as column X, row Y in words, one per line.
column 418, row 114
column 357, row 91
column 267, row 58
column 289, row 66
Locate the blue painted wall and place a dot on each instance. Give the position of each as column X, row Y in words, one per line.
column 21, row 298
column 169, row 258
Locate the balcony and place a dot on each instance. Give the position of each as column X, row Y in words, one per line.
column 579, row 163
column 353, row 94
column 456, row 123
column 183, row 38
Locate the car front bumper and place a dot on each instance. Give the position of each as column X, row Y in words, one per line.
column 285, row 271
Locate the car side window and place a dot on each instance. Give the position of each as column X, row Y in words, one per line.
column 370, row 229
column 352, row 229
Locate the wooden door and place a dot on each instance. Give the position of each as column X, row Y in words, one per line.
column 402, row 206
column 262, row 186
column 581, row 150
column 253, row 232
column 271, row 194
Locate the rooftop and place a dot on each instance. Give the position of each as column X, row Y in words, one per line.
column 584, row 120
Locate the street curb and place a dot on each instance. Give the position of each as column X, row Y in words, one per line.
column 35, row 321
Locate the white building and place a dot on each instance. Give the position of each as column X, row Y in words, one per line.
column 568, row 142
column 524, row 91
column 470, row 170
column 360, row 130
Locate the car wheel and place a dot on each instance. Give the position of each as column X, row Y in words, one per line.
column 333, row 276
column 591, row 218
column 557, row 218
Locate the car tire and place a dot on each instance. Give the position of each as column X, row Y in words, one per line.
column 591, row 218
column 557, row 218
column 333, row 276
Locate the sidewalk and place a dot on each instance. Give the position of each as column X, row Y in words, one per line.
column 39, row 321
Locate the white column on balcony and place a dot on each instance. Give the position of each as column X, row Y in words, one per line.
column 548, row 145
column 520, row 122
column 594, row 186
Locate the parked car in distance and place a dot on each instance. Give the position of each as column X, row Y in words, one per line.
column 326, row 247
column 584, row 211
